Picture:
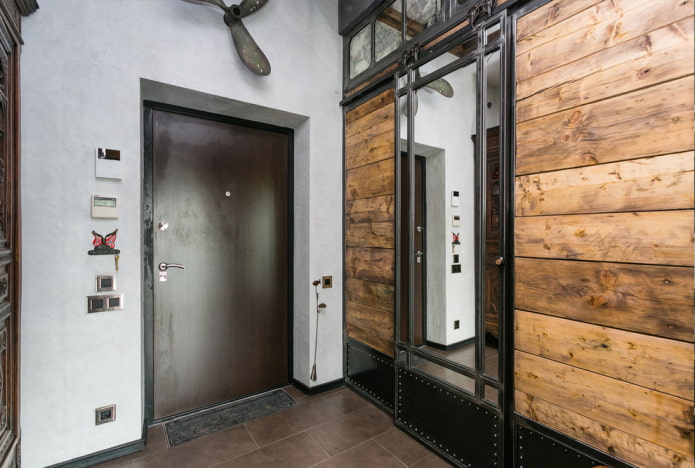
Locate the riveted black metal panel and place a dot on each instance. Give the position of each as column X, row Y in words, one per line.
column 459, row 428
column 535, row 449
column 370, row 372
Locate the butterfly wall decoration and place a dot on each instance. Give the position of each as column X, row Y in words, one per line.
column 104, row 245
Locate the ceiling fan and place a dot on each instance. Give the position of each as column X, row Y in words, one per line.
column 439, row 85
column 249, row 52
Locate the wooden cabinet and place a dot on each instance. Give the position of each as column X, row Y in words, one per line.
column 10, row 41
column 492, row 232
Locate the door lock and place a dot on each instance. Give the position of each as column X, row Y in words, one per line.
column 499, row 261
column 418, row 256
column 165, row 266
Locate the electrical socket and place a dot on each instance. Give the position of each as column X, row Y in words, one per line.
column 457, row 324
column 105, row 414
column 326, row 282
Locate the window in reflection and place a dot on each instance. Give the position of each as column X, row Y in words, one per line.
column 360, row 51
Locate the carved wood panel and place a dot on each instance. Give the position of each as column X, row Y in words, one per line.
column 10, row 288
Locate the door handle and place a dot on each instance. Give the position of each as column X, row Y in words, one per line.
column 165, row 266
column 418, row 256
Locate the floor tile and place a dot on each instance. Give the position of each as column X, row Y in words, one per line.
column 339, row 422
column 291, row 421
column 432, row 461
column 298, row 451
column 202, row 452
column 402, row 446
column 367, row 455
column 351, row 429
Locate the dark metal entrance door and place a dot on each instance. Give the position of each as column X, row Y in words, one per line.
column 220, row 209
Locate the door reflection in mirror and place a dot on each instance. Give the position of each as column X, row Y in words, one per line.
column 451, row 188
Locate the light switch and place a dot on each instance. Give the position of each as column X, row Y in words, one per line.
column 104, row 303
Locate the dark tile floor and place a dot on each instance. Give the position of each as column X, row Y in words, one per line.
column 334, row 429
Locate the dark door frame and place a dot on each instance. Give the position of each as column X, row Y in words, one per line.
column 148, row 235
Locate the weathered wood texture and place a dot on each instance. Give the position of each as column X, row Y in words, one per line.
column 370, row 222
column 604, row 225
column 648, row 184
column 652, row 299
column 647, row 122
column 606, row 438
column 652, row 362
column 657, row 417
column 656, row 237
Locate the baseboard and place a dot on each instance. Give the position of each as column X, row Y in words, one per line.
column 104, row 455
column 452, row 346
column 319, row 388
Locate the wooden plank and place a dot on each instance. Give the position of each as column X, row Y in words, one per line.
column 371, row 210
column 651, row 299
column 615, row 22
column 372, row 180
column 378, row 122
column 369, row 317
column 377, row 102
column 648, row 184
column 370, row 338
column 375, row 149
column 655, row 237
column 380, row 235
column 376, row 265
column 656, row 363
column 647, row 122
column 548, row 15
column 663, row 55
column 618, row 443
column 661, row 419
column 369, row 293
column 372, row 326
column 587, row 16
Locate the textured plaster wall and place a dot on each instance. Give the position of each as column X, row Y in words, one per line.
column 86, row 66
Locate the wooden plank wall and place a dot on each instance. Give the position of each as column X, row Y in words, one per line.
column 370, row 214
column 604, row 225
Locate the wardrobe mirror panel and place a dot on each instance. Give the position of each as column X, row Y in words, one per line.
column 451, row 214
column 492, row 213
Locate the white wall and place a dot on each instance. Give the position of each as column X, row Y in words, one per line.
column 82, row 65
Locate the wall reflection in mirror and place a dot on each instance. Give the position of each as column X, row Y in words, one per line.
column 450, row 189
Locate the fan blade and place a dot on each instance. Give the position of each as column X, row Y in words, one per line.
column 250, row 6
column 252, row 55
column 415, row 105
column 219, row 3
column 442, row 87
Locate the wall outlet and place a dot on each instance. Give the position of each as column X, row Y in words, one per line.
column 457, row 324
column 326, row 282
column 105, row 414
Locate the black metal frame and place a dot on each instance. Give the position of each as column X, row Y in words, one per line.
column 148, row 249
column 451, row 15
column 511, row 424
column 411, row 62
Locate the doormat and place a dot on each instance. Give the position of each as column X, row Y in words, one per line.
column 222, row 417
